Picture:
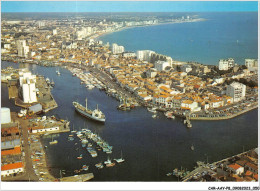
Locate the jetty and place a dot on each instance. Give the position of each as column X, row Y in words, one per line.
column 77, row 178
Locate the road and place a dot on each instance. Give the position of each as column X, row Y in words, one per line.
column 29, row 174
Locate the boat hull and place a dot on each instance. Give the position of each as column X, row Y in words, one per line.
column 89, row 116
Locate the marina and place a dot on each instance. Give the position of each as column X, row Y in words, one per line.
column 126, row 131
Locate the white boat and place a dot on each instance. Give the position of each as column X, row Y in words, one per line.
column 120, row 159
column 153, row 110
column 99, row 165
column 108, row 161
column 73, row 131
column 58, row 72
column 169, row 115
column 192, row 147
column 154, row 116
column 90, row 87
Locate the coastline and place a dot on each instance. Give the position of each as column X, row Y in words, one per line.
column 165, row 23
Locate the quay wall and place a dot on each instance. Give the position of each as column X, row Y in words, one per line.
column 226, row 117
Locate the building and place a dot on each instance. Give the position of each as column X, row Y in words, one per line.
column 5, row 115
column 161, row 65
column 144, row 55
column 129, row 54
column 186, row 68
column 27, row 82
column 251, row 64
column 11, row 169
column 236, row 169
column 54, row 32
column 237, row 91
column 151, row 73
column 226, row 64
column 117, row 49
column 22, row 49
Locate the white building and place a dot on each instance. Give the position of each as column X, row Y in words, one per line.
column 144, row 55
column 7, row 46
column 27, row 82
column 186, row 68
column 151, row 73
column 54, row 32
column 13, row 168
column 41, row 24
column 43, row 130
column 251, row 64
column 117, row 49
column 237, row 91
column 161, row 65
column 5, row 115
column 129, row 54
column 226, row 64
column 22, row 49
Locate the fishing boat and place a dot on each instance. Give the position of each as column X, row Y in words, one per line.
column 84, row 142
column 89, row 86
column 73, row 130
column 79, row 157
column 107, row 161
column 154, row 116
column 99, row 165
column 53, row 141
column 169, row 174
column 96, row 114
column 52, row 83
column 85, row 167
column 110, row 164
column 153, row 110
column 169, row 115
column 120, row 159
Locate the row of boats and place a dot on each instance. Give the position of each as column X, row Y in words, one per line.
column 87, row 78
column 85, row 136
column 178, row 173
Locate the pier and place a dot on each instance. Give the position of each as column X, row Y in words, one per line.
column 78, row 178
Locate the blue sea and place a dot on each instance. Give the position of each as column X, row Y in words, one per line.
column 222, row 35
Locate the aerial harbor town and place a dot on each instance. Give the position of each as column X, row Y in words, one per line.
column 183, row 92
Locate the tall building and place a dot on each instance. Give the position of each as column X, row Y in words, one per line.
column 226, row 64
column 54, row 32
column 144, row 55
column 237, row 91
column 22, row 49
column 251, row 64
column 161, row 65
column 41, row 24
column 117, row 49
column 27, row 82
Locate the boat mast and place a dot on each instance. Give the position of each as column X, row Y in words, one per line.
column 86, row 103
column 97, row 106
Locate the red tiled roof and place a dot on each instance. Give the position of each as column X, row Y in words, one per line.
column 256, row 176
column 234, row 166
column 10, row 130
column 248, row 173
column 15, row 151
column 12, row 166
column 252, row 166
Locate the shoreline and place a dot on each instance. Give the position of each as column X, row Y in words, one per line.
column 223, row 118
column 158, row 24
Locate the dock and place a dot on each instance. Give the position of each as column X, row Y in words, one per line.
column 78, row 178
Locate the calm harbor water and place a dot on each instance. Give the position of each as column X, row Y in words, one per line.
column 151, row 147
column 223, row 35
